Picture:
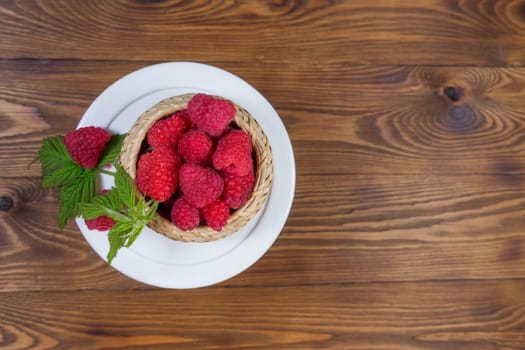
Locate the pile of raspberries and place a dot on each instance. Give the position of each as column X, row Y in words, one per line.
column 198, row 164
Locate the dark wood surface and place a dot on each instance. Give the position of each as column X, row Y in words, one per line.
column 407, row 120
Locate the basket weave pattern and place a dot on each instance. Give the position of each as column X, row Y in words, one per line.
column 263, row 166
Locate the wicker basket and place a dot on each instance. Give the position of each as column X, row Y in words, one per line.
column 263, row 169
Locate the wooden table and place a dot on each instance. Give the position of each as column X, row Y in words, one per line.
column 408, row 225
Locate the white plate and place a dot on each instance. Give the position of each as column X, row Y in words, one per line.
column 154, row 259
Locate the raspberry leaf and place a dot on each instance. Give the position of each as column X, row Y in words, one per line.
column 74, row 183
column 93, row 211
column 111, row 150
column 146, row 213
column 134, row 234
column 130, row 212
column 117, row 238
column 61, row 176
column 110, row 199
column 54, row 157
column 73, row 193
column 126, row 187
column 76, row 187
column 108, row 204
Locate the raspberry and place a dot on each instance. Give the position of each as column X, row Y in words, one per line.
column 166, row 132
column 234, row 153
column 211, row 114
column 196, row 147
column 85, row 145
column 102, row 223
column 158, row 173
column 185, row 216
column 200, row 185
column 238, row 189
column 216, row 215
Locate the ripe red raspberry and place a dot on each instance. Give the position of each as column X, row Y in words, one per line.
column 196, row 147
column 166, row 132
column 158, row 173
column 234, row 153
column 238, row 189
column 85, row 145
column 102, row 223
column 200, row 185
column 184, row 215
column 216, row 215
column 211, row 114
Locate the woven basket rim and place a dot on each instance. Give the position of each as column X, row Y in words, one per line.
column 132, row 145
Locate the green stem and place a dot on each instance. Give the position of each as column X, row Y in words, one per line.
column 107, row 172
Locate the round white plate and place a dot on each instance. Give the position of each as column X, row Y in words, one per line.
column 154, row 259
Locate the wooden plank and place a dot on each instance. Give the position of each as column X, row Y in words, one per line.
column 342, row 229
column 38, row 255
column 341, row 119
column 430, row 316
column 389, row 32
column 407, row 124
column 369, row 228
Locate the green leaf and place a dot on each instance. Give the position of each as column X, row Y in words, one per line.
column 117, row 238
column 107, row 204
column 135, row 233
column 151, row 212
column 146, row 212
column 111, row 150
column 91, row 211
column 110, row 199
column 52, row 144
column 53, row 154
column 71, row 194
column 126, row 187
column 54, row 158
column 62, row 176
column 130, row 212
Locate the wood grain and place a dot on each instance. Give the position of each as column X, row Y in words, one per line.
column 342, row 229
column 398, row 228
column 369, row 120
column 36, row 254
column 407, row 122
column 360, row 316
column 451, row 32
